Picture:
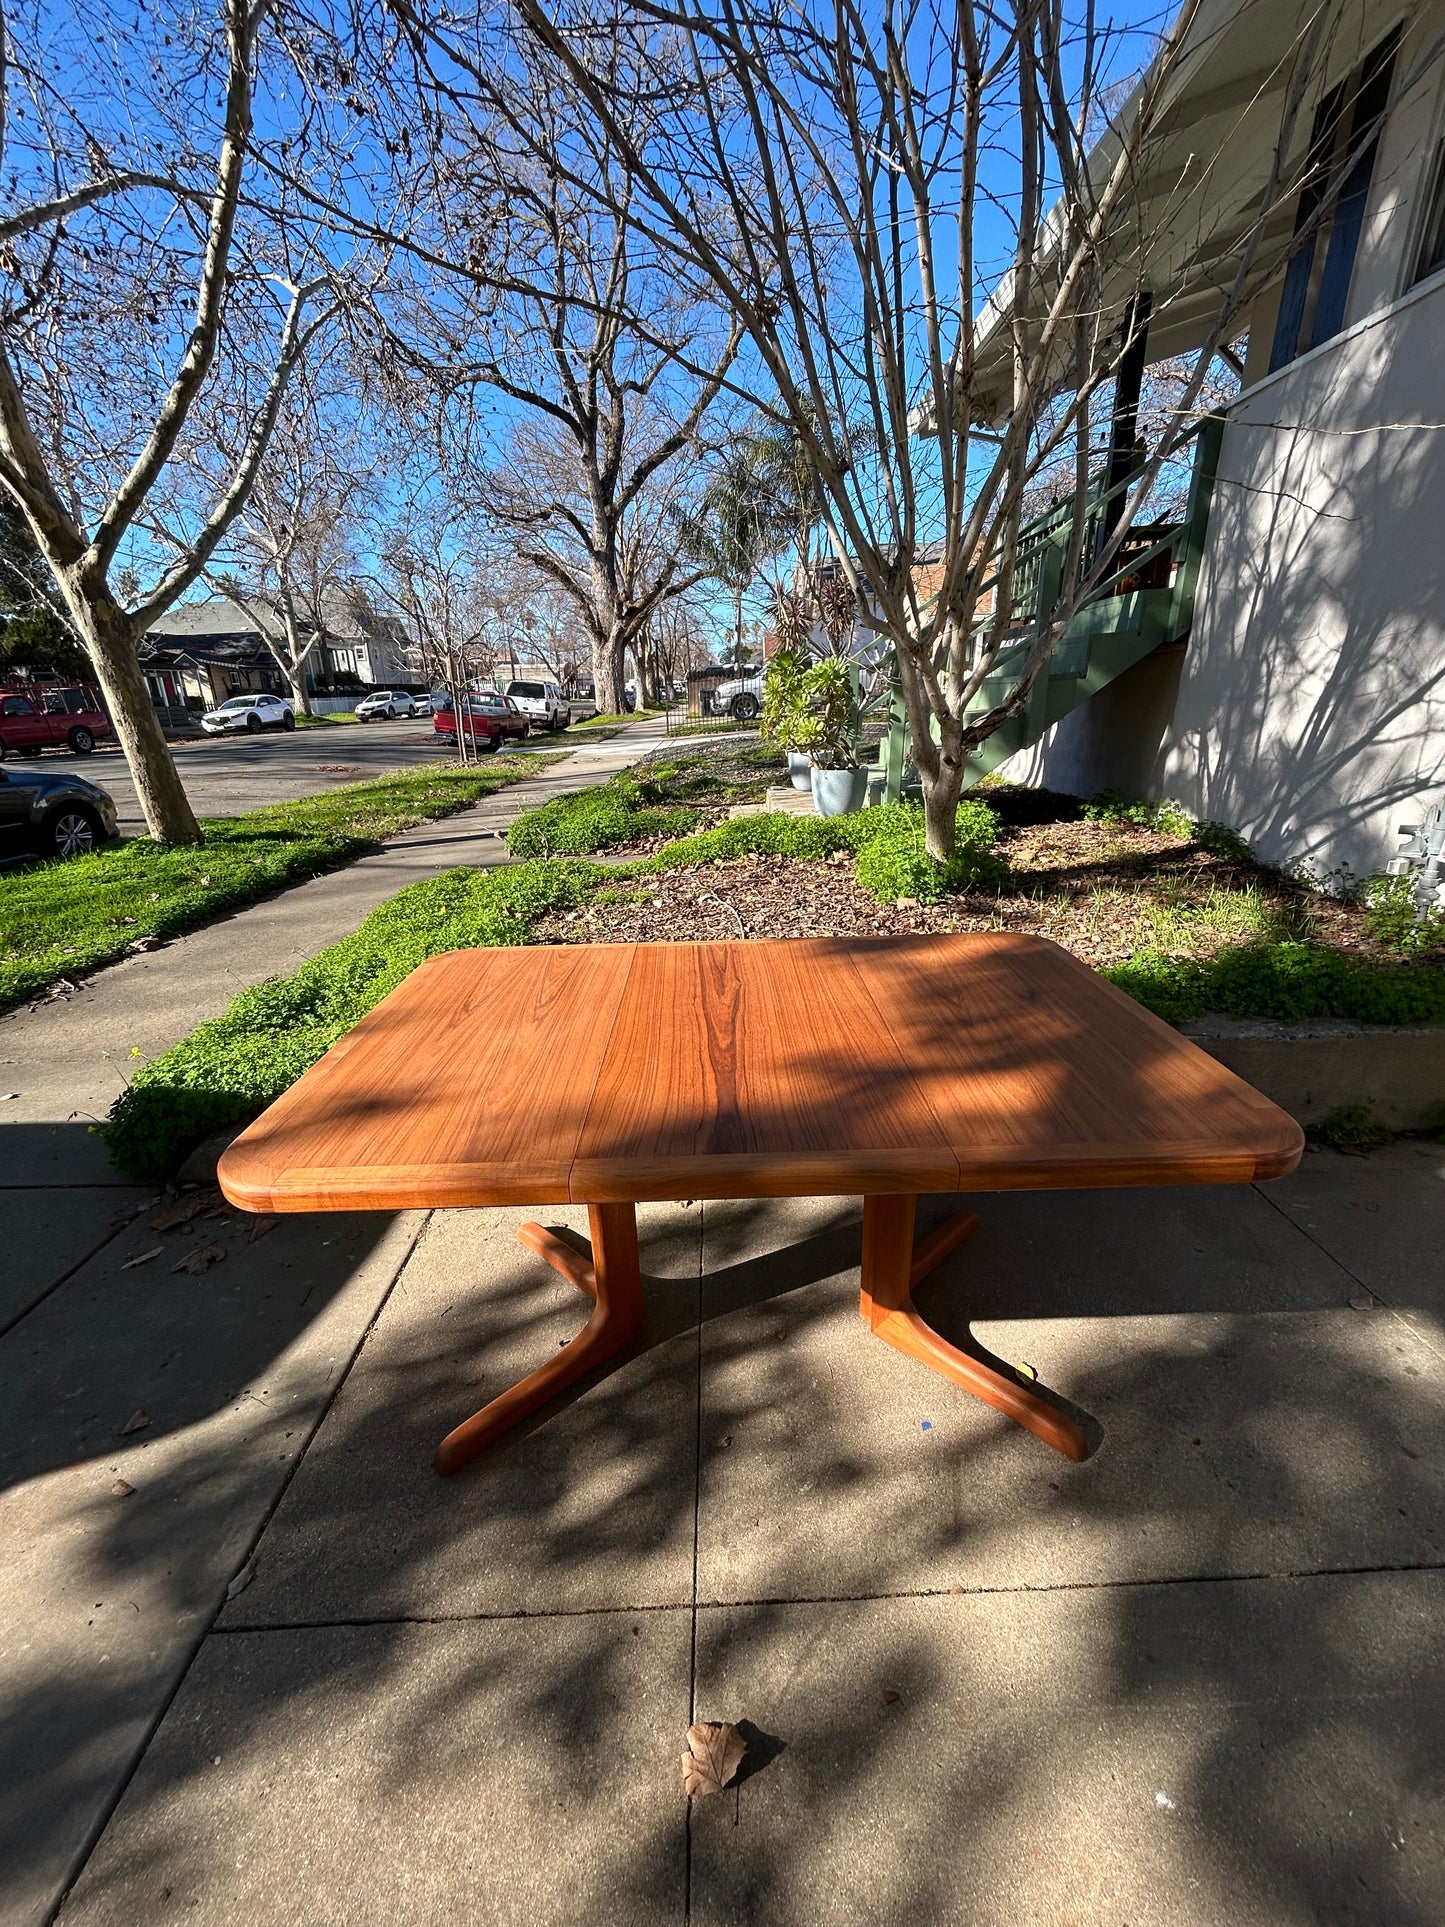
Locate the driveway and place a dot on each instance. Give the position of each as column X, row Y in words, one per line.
column 225, row 775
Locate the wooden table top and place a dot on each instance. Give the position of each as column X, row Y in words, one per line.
column 622, row 1072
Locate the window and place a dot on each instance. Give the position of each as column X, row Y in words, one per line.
column 1344, row 144
column 532, row 689
column 15, row 706
column 1432, row 239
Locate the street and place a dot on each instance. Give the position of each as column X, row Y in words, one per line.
column 225, row 775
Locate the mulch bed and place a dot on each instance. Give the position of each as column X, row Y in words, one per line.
column 1096, row 888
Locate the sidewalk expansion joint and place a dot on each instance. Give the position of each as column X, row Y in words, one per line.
column 484, row 1618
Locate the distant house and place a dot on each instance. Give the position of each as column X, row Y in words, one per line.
column 199, row 653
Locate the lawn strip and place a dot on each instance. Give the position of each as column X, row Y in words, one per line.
column 62, row 919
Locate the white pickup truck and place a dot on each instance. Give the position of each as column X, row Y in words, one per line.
column 742, row 699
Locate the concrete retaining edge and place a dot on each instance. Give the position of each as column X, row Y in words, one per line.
column 1312, row 1070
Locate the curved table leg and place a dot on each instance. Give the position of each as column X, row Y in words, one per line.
column 892, row 1266
column 613, row 1279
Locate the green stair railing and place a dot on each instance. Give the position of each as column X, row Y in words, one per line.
column 1146, row 601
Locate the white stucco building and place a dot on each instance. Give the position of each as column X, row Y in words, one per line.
column 1307, row 706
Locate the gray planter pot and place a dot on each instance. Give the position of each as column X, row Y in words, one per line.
column 838, row 792
column 800, row 770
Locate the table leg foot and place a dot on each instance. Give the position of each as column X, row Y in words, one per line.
column 613, row 1279
column 574, row 1267
column 892, row 1265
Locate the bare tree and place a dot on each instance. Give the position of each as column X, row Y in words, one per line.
column 828, row 173
column 293, row 549
column 145, row 289
column 596, row 376
column 429, row 582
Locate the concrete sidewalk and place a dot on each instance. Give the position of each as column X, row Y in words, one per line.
column 103, row 1595
column 1197, row 1679
column 257, row 1663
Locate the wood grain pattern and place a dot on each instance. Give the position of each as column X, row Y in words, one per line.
column 617, row 1073
column 469, row 1084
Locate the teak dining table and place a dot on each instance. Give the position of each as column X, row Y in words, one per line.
column 611, row 1074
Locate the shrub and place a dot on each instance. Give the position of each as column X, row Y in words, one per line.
column 600, row 818
column 893, row 861
column 1391, row 917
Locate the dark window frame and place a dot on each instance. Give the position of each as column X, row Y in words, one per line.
column 1329, row 219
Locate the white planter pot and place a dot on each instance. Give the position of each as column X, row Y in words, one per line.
column 800, row 770
column 838, row 792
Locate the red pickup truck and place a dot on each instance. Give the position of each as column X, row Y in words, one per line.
column 35, row 719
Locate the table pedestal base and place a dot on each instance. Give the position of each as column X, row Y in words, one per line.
column 612, row 1278
column 892, row 1266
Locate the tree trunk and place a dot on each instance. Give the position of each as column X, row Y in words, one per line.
column 300, row 694
column 111, row 646
column 941, row 794
column 607, row 677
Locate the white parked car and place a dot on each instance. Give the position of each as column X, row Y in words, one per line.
column 390, row 703
column 542, row 702
column 251, row 713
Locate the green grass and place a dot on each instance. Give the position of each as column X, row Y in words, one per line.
column 614, row 721
column 1226, row 915
column 61, row 919
column 325, row 722
column 1355, row 1129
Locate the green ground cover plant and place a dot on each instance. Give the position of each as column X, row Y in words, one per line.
column 624, row 809
column 64, row 918
column 886, row 844
column 1289, row 980
column 325, row 722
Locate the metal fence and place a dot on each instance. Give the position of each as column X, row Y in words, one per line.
column 682, row 721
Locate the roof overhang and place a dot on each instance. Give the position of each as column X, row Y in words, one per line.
column 1184, row 224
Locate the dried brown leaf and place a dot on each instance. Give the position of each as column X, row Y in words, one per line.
column 122, row 1489
column 144, row 1259
column 180, row 1213
column 262, row 1226
column 201, row 1259
column 137, row 1422
column 715, row 1750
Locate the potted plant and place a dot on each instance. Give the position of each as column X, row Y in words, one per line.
column 785, row 711
column 828, row 730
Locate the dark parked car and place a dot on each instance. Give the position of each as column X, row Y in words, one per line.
column 52, row 812
column 35, row 719
column 488, row 719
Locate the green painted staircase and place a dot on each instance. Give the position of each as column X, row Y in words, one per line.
column 1146, row 602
